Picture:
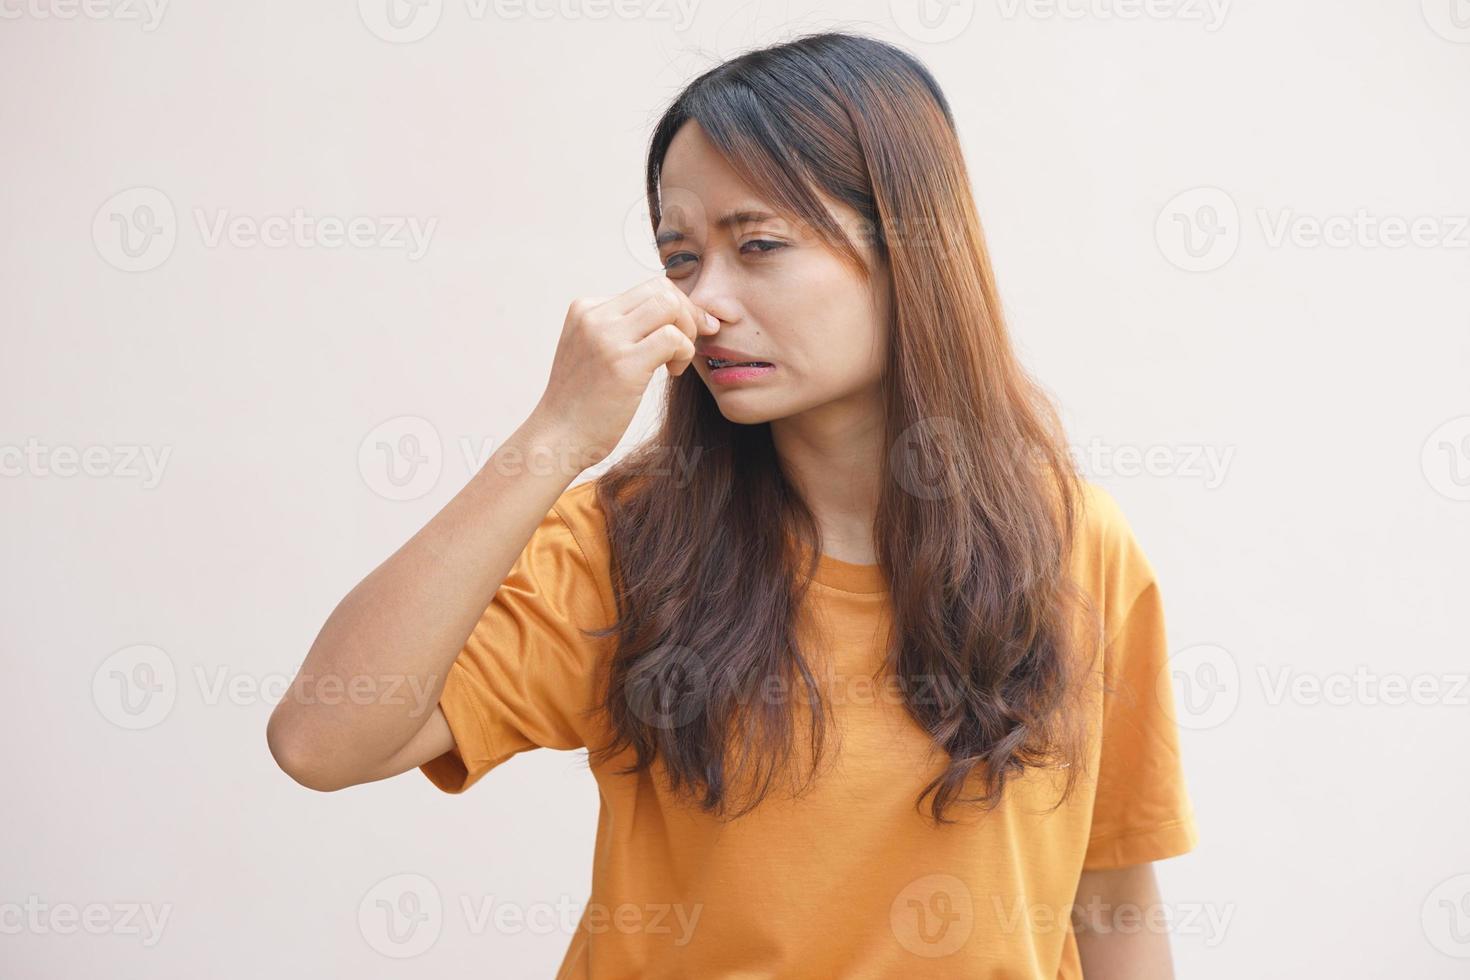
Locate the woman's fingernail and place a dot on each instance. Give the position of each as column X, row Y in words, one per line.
column 713, row 323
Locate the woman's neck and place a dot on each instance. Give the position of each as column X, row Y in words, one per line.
column 834, row 455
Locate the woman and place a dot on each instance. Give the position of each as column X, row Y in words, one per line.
column 866, row 671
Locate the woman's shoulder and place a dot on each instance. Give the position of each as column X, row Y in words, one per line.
column 1101, row 517
column 1108, row 556
column 580, row 513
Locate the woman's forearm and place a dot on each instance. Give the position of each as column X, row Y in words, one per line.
column 377, row 668
column 1121, row 934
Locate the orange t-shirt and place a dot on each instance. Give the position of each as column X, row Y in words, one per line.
column 849, row 880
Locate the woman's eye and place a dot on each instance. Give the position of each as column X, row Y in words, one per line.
column 763, row 246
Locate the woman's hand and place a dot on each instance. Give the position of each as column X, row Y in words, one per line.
column 609, row 349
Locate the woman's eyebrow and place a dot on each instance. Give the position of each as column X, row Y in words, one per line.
column 744, row 216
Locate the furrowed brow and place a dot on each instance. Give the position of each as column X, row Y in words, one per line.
column 745, row 216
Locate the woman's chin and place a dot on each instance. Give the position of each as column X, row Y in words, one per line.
column 742, row 409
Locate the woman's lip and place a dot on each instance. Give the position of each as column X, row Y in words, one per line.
column 736, row 373
column 726, row 354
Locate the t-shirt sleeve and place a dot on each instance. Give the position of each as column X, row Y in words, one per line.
column 1142, row 809
column 526, row 675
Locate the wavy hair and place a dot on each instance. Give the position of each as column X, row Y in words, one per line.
column 980, row 499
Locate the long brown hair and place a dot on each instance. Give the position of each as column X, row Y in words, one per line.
column 979, row 503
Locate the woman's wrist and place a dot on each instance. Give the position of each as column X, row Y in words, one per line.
column 547, row 444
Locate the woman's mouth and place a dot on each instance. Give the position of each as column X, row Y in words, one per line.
column 715, row 362
column 730, row 372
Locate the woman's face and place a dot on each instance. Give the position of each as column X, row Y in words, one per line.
column 780, row 294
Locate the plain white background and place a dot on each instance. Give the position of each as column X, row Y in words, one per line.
column 1231, row 239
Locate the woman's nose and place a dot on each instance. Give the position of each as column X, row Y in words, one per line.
column 714, row 293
